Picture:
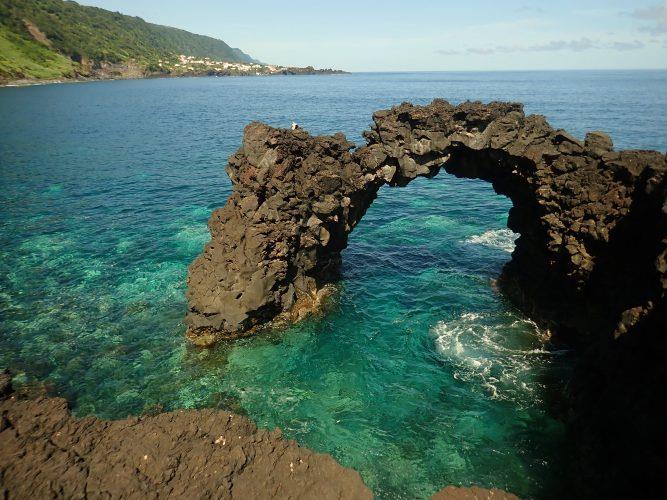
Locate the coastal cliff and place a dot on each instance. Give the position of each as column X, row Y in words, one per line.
column 52, row 41
column 590, row 264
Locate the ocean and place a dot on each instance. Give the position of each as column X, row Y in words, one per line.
column 419, row 375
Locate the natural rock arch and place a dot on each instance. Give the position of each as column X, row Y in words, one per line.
column 591, row 261
column 276, row 244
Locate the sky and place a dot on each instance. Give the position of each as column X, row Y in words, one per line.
column 425, row 35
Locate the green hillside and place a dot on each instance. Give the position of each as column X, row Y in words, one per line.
column 55, row 38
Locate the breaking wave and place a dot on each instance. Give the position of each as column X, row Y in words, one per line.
column 501, row 355
column 500, row 238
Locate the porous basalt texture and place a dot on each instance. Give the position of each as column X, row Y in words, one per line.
column 277, row 242
column 47, row 453
column 585, row 261
column 590, row 263
column 580, row 208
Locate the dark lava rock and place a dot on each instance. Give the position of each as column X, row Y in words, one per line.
column 590, row 264
column 5, row 384
column 276, row 243
column 46, row 453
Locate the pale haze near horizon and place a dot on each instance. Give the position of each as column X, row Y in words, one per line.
column 425, row 35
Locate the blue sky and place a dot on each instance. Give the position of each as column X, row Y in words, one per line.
column 421, row 35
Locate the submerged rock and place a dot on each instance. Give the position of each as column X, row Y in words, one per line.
column 5, row 383
column 185, row 454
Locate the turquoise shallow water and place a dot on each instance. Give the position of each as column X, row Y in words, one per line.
column 419, row 376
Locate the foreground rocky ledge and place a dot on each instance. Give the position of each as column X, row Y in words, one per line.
column 47, row 453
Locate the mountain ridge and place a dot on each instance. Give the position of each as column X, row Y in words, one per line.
column 52, row 39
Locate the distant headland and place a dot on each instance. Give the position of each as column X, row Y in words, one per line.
column 56, row 41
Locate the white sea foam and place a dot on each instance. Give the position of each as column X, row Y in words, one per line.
column 500, row 355
column 499, row 238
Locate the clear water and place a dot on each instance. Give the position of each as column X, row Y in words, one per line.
column 419, row 376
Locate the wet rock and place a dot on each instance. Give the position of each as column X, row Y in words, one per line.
column 5, row 384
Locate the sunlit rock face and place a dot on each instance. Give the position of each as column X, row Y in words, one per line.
column 583, row 263
column 276, row 244
column 590, row 264
column 47, row 453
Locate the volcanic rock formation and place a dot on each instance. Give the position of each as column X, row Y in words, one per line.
column 276, row 244
column 590, row 264
column 47, row 453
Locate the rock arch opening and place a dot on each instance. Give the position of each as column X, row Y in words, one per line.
column 277, row 242
column 591, row 261
column 445, row 228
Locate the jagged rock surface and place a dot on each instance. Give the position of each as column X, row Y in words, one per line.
column 277, row 241
column 47, row 453
column 296, row 198
column 582, row 209
column 590, row 264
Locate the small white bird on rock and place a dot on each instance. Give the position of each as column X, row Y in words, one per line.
column 295, row 125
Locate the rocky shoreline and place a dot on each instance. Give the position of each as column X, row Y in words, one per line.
column 288, row 71
column 590, row 264
column 46, row 452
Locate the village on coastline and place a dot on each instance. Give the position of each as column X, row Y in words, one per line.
column 178, row 66
column 191, row 65
column 57, row 41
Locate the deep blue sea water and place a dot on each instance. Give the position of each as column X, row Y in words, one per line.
column 419, row 376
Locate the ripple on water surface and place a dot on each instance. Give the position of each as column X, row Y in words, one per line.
column 419, row 375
